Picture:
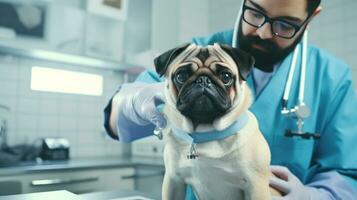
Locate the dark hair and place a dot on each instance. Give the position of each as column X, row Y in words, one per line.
column 312, row 5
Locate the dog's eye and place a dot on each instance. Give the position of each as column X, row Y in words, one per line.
column 181, row 76
column 226, row 77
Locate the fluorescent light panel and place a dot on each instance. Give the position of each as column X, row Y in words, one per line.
column 64, row 81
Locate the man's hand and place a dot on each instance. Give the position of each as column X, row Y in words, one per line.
column 138, row 103
column 291, row 187
column 146, row 101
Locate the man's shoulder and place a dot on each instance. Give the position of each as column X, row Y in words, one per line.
column 149, row 76
column 332, row 70
column 323, row 58
column 222, row 37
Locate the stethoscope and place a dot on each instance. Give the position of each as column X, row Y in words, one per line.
column 300, row 111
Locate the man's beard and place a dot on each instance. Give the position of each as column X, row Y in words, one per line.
column 264, row 60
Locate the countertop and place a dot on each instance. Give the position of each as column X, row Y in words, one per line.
column 81, row 163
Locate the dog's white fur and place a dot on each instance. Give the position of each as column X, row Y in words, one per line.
column 236, row 167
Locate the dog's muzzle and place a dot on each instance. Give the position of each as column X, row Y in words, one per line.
column 203, row 100
column 203, row 81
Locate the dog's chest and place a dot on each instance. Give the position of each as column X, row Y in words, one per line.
column 218, row 171
column 203, row 170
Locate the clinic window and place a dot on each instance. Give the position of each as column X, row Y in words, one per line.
column 66, row 81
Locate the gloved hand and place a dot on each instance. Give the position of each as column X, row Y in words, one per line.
column 135, row 113
column 141, row 103
column 292, row 188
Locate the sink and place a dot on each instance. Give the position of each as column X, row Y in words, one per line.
column 19, row 155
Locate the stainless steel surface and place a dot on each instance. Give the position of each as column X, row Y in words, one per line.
column 63, row 58
column 46, row 182
column 9, row 187
column 147, row 176
column 4, row 113
column 64, row 194
column 115, row 195
column 81, row 163
column 144, row 175
column 53, row 195
column 136, row 197
column 3, row 132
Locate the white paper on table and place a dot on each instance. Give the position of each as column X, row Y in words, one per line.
column 132, row 198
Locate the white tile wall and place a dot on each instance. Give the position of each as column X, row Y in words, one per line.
column 192, row 22
column 222, row 14
column 334, row 29
column 42, row 114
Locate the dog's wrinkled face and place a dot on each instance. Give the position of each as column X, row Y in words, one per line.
column 204, row 81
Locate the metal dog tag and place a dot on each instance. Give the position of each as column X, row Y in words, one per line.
column 193, row 153
column 158, row 132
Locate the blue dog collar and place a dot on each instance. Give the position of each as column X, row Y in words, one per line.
column 201, row 137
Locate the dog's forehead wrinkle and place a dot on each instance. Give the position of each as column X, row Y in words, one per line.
column 185, row 65
column 220, row 66
column 205, row 70
column 212, row 60
column 194, row 61
column 189, row 65
column 203, row 55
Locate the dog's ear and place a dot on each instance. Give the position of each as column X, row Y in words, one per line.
column 242, row 59
column 163, row 61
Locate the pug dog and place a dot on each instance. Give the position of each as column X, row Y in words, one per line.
column 213, row 142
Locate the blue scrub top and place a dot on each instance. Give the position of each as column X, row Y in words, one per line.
column 330, row 95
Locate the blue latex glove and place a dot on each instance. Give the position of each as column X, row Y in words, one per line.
column 136, row 111
column 292, row 188
column 140, row 101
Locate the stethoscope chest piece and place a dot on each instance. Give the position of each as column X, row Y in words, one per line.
column 299, row 113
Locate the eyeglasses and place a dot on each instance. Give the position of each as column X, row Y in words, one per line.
column 279, row 27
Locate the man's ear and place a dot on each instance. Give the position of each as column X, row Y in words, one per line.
column 314, row 14
column 163, row 61
column 317, row 11
column 243, row 60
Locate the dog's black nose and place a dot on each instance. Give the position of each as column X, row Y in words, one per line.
column 203, row 81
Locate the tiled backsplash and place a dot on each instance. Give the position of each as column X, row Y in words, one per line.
column 34, row 114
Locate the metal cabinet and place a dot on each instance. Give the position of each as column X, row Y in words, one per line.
column 77, row 181
column 149, row 179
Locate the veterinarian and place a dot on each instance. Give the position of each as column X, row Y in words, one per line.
column 324, row 168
